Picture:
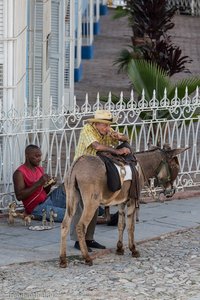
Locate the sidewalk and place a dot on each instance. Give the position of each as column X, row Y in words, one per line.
column 19, row 244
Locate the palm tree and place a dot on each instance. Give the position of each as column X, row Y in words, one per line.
column 149, row 79
column 150, row 21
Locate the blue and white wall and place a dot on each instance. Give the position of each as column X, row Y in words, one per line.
column 42, row 45
column 87, row 20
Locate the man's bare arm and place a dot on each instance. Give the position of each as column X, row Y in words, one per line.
column 99, row 147
column 21, row 191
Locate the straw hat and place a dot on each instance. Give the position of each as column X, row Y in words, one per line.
column 102, row 116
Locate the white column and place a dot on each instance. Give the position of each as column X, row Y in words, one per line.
column 91, row 20
column 45, row 55
column 9, row 55
column 69, row 57
column 62, row 51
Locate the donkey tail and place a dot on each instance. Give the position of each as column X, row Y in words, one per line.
column 72, row 191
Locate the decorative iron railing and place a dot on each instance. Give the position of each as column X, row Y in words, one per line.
column 56, row 131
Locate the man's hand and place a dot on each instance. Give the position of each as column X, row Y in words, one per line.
column 43, row 180
column 123, row 151
column 119, row 136
column 50, row 182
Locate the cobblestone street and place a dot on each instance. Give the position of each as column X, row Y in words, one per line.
column 169, row 268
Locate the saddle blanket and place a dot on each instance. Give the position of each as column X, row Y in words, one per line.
column 128, row 172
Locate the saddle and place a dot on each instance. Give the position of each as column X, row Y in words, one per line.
column 113, row 178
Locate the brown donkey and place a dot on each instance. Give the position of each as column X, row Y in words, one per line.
column 87, row 177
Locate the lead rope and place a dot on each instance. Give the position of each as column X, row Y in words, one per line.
column 148, row 189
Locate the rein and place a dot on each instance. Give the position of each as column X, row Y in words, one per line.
column 166, row 163
column 161, row 182
column 149, row 186
column 168, row 178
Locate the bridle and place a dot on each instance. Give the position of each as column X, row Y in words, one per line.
column 166, row 163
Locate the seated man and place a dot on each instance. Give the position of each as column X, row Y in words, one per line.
column 96, row 135
column 31, row 187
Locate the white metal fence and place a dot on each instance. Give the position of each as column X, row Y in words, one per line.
column 57, row 131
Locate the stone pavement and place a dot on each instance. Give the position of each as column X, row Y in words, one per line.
column 19, row 244
column 168, row 269
column 168, row 238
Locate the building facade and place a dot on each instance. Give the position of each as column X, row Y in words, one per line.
column 13, row 41
column 42, row 44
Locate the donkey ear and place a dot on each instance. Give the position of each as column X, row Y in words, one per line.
column 175, row 152
column 152, row 147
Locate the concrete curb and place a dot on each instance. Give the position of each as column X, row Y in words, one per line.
column 166, row 235
column 103, row 252
column 183, row 195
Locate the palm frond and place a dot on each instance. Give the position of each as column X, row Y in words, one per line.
column 125, row 56
column 191, row 83
column 148, row 76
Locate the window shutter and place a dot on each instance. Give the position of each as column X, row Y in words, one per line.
column 1, row 30
column 38, row 51
column 55, row 53
column 67, row 46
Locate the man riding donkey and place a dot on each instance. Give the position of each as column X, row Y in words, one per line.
column 98, row 138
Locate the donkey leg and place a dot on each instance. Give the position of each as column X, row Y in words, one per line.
column 64, row 231
column 137, row 214
column 121, row 227
column 131, row 212
column 107, row 213
column 65, row 225
column 81, row 229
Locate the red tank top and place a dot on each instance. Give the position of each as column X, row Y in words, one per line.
column 39, row 195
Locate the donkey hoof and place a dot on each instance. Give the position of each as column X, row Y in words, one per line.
column 63, row 262
column 89, row 262
column 135, row 253
column 120, row 251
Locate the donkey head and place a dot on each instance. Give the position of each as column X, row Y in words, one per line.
column 168, row 169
